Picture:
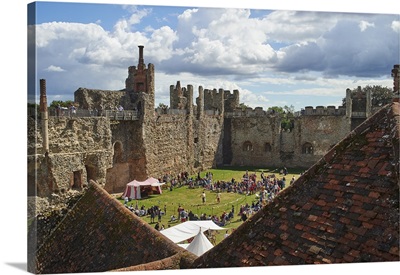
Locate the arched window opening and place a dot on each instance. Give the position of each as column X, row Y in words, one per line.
column 307, row 148
column 117, row 152
column 90, row 173
column 247, row 146
column 267, row 147
column 77, row 180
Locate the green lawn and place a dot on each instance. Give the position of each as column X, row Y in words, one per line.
column 190, row 198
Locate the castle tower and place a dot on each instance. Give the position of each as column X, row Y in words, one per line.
column 44, row 115
column 200, row 103
column 137, row 76
column 139, row 82
column 140, row 85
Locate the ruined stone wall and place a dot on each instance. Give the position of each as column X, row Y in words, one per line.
column 231, row 100
column 128, row 155
column 90, row 99
column 79, row 149
column 260, row 141
column 166, row 145
column 249, row 136
column 179, row 143
column 207, row 136
column 322, row 132
column 214, row 100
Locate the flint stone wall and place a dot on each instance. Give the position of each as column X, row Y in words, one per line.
column 180, row 143
column 79, row 149
column 286, row 147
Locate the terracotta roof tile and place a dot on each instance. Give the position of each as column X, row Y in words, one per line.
column 343, row 209
column 101, row 234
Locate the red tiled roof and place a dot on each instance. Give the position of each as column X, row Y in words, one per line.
column 344, row 209
column 100, row 234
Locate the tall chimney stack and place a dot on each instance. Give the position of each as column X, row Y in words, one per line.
column 141, row 60
column 44, row 116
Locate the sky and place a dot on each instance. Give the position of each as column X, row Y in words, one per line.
column 98, row 38
column 274, row 57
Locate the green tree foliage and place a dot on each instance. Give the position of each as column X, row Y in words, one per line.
column 380, row 96
column 55, row 103
column 287, row 114
column 243, row 106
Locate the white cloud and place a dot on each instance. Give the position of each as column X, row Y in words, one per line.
column 396, row 26
column 364, row 25
column 187, row 14
column 222, row 48
column 53, row 68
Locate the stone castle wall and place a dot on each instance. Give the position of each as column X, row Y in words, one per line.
column 260, row 141
column 129, row 160
column 181, row 143
column 79, row 149
column 248, row 138
column 90, row 99
column 184, row 138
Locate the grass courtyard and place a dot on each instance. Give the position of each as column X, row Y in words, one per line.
column 190, row 198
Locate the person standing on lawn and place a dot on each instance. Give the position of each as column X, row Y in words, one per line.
column 218, row 197
column 203, row 197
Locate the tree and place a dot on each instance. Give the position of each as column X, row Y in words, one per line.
column 287, row 114
column 243, row 106
column 55, row 103
column 380, row 96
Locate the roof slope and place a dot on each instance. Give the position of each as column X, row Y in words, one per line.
column 100, row 234
column 343, row 209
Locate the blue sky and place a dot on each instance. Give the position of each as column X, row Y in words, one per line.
column 274, row 57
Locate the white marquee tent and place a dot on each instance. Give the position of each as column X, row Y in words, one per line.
column 189, row 229
column 133, row 188
column 199, row 245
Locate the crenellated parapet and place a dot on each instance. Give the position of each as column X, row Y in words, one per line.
column 181, row 97
column 221, row 100
column 209, row 100
column 307, row 111
column 247, row 112
column 323, row 111
column 231, row 100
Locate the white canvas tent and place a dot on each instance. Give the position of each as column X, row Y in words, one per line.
column 200, row 244
column 189, row 229
column 133, row 189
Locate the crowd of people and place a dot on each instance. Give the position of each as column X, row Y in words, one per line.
column 265, row 188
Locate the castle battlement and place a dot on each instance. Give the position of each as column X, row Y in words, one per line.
column 323, row 111
column 307, row 111
column 248, row 112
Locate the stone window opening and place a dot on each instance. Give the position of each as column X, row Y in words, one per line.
column 77, row 180
column 247, row 146
column 307, row 148
column 90, row 173
column 267, row 147
column 117, row 158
